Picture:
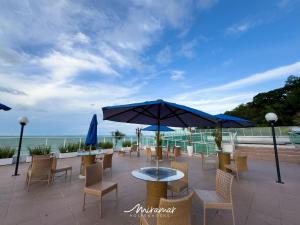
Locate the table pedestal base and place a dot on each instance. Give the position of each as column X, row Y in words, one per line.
column 155, row 191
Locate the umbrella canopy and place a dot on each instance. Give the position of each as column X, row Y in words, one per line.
column 159, row 113
column 4, row 107
column 154, row 128
column 233, row 121
column 91, row 138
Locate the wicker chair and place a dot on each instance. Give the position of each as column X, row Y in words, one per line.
column 55, row 170
column 182, row 184
column 221, row 198
column 39, row 170
column 134, row 148
column 150, row 154
column 239, row 165
column 181, row 215
column 210, row 159
column 107, row 162
column 95, row 186
column 170, row 153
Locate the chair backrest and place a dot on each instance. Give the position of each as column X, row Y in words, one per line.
column 134, row 148
column 224, row 185
column 93, row 174
column 41, row 166
column 181, row 214
column 54, row 163
column 107, row 161
column 177, row 151
column 148, row 151
column 241, row 163
column 183, row 167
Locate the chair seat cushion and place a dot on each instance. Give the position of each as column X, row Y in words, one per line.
column 211, row 199
column 177, row 186
column 100, row 188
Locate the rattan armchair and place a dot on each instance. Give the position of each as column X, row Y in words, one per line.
column 134, row 148
column 39, row 170
column 239, row 165
column 150, row 154
column 107, row 162
column 180, row 216
column 170, row 153
column 209, row 159
column 221, row 198
column 95, row 186
column 55, row 170
column 182, row 184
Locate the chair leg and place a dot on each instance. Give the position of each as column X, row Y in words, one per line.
column 233, row 220
column 28, row 183
column 66, row 175
column 71, row 175
column 204, row 215
column 83, row 207
column 117, row 195
column 100, row 206
column 237, row 176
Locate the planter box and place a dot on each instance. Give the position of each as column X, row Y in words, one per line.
column 28, row 158
column 67, row 155
column 126, row 149
column 190, row 150
column 6, row 161
column 107, row 151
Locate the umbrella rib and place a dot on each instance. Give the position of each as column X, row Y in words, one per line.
column 170, row 115
column 119, row 113
column 177, row 116
column 138, row 113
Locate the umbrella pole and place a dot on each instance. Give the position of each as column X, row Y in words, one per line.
column 158, row 140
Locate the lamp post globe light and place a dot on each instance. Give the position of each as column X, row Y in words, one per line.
column 272, row 119
column 23, row 121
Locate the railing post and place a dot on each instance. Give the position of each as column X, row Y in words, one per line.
column 64, row 142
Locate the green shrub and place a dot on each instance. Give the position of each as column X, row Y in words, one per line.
column 71, row 147
column 106, row 145
column 88, row 147
column 126, row 144
column 6, row 152
column 39, row 150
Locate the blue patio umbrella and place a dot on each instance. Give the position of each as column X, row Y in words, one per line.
column 233, row 121
column 154, row 128
column 159, row 113
column 91, row 138
column 4, row 107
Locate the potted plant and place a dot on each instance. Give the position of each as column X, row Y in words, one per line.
column 69, row 150
column 38, row 150
column 189, row 147
column 117, row 136
column 224, row 157
column 126, row 145
column 106, row 146
column 6, row 155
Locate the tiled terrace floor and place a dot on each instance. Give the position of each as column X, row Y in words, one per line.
column 257, row 199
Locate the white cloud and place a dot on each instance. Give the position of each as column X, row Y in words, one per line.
column 206, row 4
column 240, row 28
column 187, row 48
column 177, row 75
column 164, row 55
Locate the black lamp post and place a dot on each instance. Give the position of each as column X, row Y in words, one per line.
column 23, row 121
column 138, row 132
column 272, row 118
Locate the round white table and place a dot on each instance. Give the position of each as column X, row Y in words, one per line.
column 157, row 182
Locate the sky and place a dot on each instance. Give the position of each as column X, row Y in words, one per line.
column 62, row 61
